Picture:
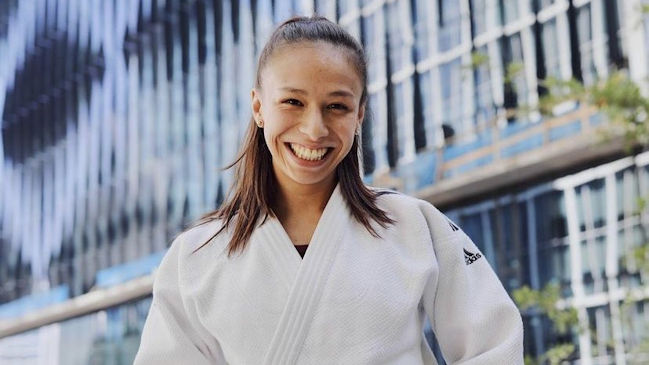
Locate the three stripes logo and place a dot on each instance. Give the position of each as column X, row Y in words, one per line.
column 470, row 257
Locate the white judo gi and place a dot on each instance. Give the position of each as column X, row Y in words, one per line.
column 353, row 299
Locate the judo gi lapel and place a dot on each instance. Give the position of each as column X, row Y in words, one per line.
column 309, row 281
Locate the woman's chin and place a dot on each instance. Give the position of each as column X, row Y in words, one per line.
column 310, row 180
column 306, row 178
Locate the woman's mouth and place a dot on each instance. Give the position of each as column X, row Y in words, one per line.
column 308, row 154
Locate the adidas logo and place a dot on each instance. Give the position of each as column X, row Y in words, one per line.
column 453, row 226
column 470, row 257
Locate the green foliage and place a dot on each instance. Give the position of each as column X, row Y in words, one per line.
column 530, row 360
column 545, row 301
column 637, row 351
column 617, row 96
column 478, row 59
column 637, row 347
column 641, row 258
column 641, row 204
column 638, row 255
column 512, row 70
column 526, row 297
column 622, row 102
column 559, row 353
column 558, row 92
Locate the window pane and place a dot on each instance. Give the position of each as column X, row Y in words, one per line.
column 426, row 86
column 599, row 320
column 552, row 243
column 403, row 103
column 510, row 11
column 593, row 264
column 346, row 6
column 378, row 110
column 479, row 16
column 550, row 47
column 373, row 38
column 471, row 224
column 591, row 205
column 449, row 35
column 451, row 90
column 485, row 109
column 545, row 3
column 400, row 35
column 516, row 89
column 423, row 28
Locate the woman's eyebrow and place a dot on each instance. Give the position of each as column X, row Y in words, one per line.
column 343, row 93
column 293, row 90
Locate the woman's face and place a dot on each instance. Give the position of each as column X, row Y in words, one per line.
column 309, row 102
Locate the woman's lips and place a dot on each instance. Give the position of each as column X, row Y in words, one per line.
column 308, row 157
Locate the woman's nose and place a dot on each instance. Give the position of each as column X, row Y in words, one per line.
column 314, row 126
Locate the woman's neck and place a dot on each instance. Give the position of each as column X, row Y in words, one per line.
column 298, row 200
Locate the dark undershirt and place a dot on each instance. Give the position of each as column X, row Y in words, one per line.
column 301, row 249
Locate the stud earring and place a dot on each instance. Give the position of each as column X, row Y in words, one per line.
column 260, row 123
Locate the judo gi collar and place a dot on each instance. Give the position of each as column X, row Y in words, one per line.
column 308, row 276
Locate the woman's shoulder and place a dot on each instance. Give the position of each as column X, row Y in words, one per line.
column 412, row 210
column 392, row 199
column 193, row 251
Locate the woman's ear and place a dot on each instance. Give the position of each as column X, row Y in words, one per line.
column 360, row 116
column 256, row 104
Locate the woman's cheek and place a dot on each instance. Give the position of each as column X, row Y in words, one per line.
column 290, row 115
column 349, row 126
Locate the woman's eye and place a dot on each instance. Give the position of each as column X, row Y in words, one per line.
column 337, row 106
column 293, row 102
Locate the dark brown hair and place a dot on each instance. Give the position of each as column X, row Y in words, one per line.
column 254, row 182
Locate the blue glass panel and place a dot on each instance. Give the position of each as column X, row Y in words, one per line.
column 525, row 145
column 128, row 271
column 515, row 128
column 454, row 151
column 479, row 162
column 33, row 302
column 564, row 131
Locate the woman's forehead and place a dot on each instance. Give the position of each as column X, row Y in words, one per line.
column 304, row 64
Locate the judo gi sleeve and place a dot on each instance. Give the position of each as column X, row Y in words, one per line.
column 171, row 334
column 473, row 317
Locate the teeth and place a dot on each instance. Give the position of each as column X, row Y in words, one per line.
column 308, row 154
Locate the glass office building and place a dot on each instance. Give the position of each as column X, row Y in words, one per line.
column 117, row 115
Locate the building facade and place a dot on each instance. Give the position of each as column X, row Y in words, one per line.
column 117, row 115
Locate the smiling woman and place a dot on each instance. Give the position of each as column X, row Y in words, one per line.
column 305, row 264
column 311, row 107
